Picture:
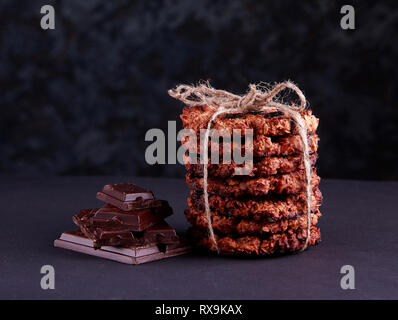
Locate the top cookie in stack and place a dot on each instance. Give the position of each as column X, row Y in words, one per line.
column 263, row 212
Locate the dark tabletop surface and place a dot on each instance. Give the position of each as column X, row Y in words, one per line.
column 359, row 228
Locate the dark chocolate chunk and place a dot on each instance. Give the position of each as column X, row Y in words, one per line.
column 161, row 233
column 127, row 192
column 75, row 240
column 117, row 231
column 137, row 219
column 139, row 203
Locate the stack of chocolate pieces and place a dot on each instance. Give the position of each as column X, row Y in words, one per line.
column 129, row 228
column 262, row 213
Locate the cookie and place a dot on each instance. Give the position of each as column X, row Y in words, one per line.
column 233, row 225
column 288, row 183
column 269, row 122
column 262, row 167
column 268, row 209
column 261, row 146
column 289, row 241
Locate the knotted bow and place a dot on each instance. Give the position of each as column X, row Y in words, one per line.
column 257, row 99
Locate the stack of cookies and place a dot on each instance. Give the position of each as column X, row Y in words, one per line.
column 264, row 212
column 129, row 228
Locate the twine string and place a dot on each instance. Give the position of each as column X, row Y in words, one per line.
column 257, row 99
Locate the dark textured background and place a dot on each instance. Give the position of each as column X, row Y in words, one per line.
column 79, row 99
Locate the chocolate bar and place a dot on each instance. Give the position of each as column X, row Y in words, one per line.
column 158, row 234
column 112, row 230
column 130, row 228
column 137, row 204
column 109, row 216
column 76, row 241
column 161, row 233
column 127, row 192
column 138, row 219
column 128, row 197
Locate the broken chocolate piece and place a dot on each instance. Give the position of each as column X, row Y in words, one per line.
column 138, row 219
column 114, row 231
column 161, row 233
column 158, row 234
column 76, row 241
column 137, row 204
column 127, row 192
